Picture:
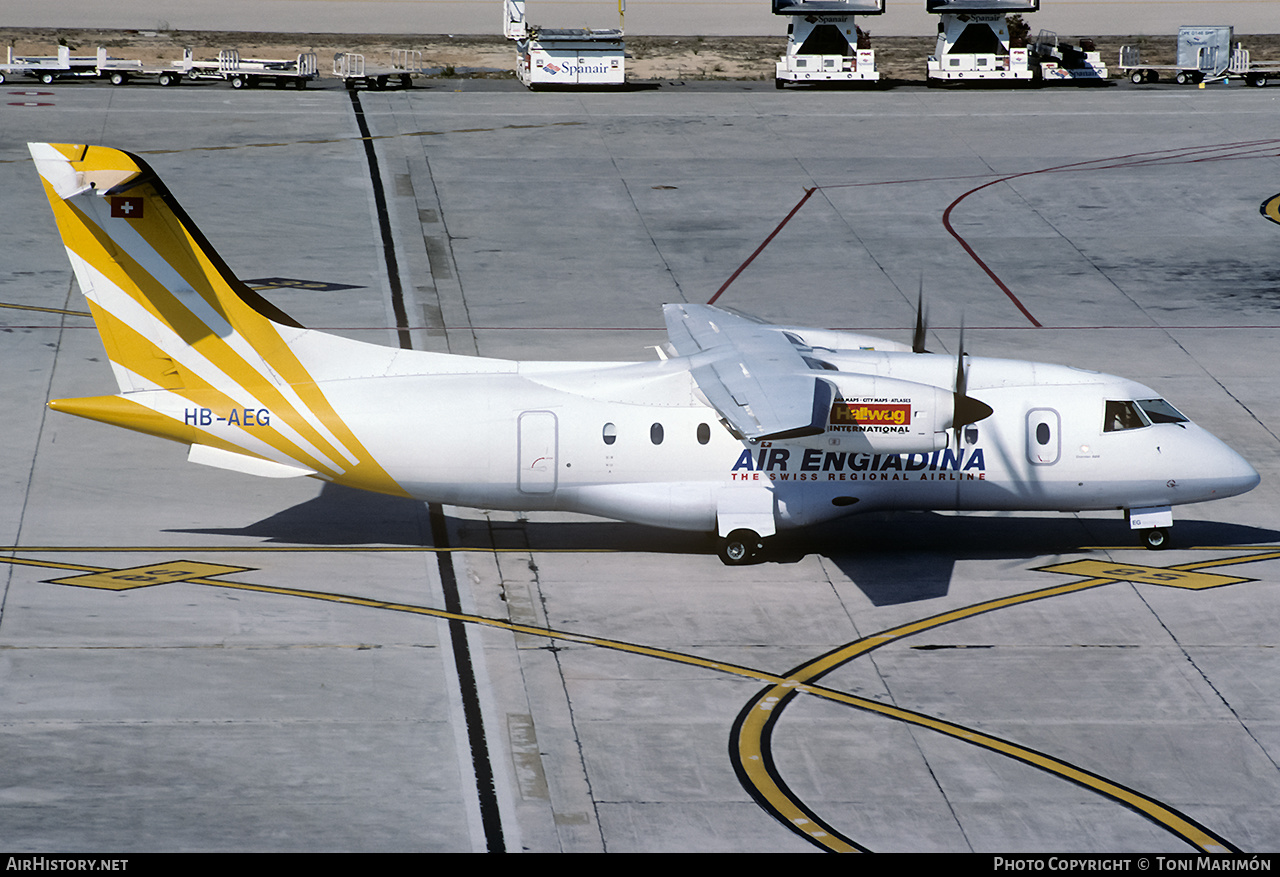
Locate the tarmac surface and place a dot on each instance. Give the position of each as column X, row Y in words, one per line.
column 192, row 659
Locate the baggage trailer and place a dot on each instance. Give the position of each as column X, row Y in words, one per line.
column 49, row 69
column 1204, row 52
column 229, row 66
column 824, row 43
column 99, row 66
column 121, row 72
column 405, row 64
column 252, row 72
column 973, row 42
column 1242, row 67
column 564, row 56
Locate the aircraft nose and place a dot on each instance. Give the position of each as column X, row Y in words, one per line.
column 1231, row 473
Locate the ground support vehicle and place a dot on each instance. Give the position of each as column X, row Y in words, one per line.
column 1059, row 61
column 1241, row 67
column 252, row 72
column 123, row 71
column 564, row 56
column 1203, row 53
column 824, row 44
column 49, row 69
column 352, row 69
column 974, row 43
column 571, row 56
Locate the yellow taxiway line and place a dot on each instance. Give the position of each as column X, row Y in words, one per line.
column 750, row 752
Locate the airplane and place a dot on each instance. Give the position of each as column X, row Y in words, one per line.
column 741, row 429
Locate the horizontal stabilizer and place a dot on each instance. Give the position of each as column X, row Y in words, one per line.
column 209, row 456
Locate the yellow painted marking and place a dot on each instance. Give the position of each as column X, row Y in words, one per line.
column 1271, row 208
column 45, row 310
column 1151, row 575
column 756, row 722
column 146, row 576
column 749, row 742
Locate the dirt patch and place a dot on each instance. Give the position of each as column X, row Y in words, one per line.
column 898, row 58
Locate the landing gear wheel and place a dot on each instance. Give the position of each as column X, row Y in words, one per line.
column 740, row 547
column 1156, row 538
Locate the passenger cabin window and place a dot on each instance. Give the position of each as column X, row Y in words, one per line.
column 1120, row 416
column 704, row 433
column 655, row 433
column 609, row 433
column 1160, row 411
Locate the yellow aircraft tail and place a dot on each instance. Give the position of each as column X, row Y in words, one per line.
column 199, row 357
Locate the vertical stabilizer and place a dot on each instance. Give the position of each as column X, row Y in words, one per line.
column 199, row 357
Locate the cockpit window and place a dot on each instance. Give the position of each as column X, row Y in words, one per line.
column 1160, row 411
column 1121, row 416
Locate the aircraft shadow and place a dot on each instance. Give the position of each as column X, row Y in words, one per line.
column 339, row 516
column 893, row 557
column 345, row 516
column 904, row 557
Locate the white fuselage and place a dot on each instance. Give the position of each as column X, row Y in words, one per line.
column 635, row 442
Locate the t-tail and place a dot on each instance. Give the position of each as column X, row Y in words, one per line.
column 200, row 358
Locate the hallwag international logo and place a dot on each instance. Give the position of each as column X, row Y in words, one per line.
column 870, row 416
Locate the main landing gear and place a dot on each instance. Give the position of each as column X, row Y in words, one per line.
column 741, row 547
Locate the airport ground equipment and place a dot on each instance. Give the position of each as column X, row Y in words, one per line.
column 1204, row 53
column 122, row 71
column 351, row 68
column 49, row 69
column 1207, row 67
column 564, row 56
column 229, row 66
column 824, row 43
column 1058, row 61
column 974, row 43
column 251, row 72
column 1254, row 74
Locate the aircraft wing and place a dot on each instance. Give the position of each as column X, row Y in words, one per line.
column 750, row 372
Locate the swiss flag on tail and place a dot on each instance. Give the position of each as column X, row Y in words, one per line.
column 126, row 208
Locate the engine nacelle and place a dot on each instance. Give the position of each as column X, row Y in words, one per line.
column 887, row 416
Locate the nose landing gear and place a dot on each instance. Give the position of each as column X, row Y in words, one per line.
column 1152, row 525
column 1155, row 538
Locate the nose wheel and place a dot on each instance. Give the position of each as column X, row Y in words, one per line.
column 740, row 547
column 1155, row 538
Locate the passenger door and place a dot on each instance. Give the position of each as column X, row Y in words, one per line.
column 536, row 452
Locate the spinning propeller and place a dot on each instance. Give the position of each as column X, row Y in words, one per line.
column 965, row 409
